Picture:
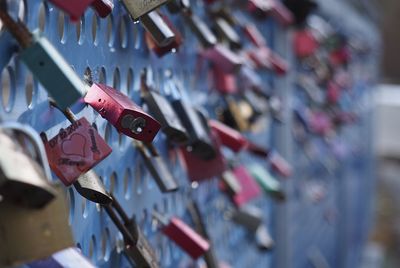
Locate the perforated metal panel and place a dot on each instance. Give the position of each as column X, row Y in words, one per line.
column 113, row 51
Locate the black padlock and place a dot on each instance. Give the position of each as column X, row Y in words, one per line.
column 163, row 112
column 200, row 29
column 157, row 167
column 199, row 135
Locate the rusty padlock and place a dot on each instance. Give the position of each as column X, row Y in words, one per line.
column 127, row 117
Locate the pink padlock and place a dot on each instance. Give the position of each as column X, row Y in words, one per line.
column 127, row 117
column 320, row 123
column 265, row 58
column 280, row 165
column 223, row 58
column 249, row 187
column 254, row 35
column 224, row 82
column 304, row 43
column 186, row 238
column 228, row 136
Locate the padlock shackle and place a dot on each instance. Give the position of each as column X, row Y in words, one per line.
column 16, row 28
column 67, row 112
column 36, row 141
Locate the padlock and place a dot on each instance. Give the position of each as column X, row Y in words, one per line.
column 265, row 58
column 70, row 257
column 199, row 169
column 203, row 33
column 258, row 150
column 163, row 112
column 223, row 58
column 230, row 183
column 172, row 47
column 199, row 138
column 267, row 182
column 301, row 9
column 139, row 8
column 195, row 213
column 273, row 7
column 333, row 93
column 137, row 248
column 228, row 136
column 103, row 8
column 29, row 186
column 183, row 235
column 46, row 63
column 320, row 123
column 159, row 30
column 157, row 167
column 249, row 188
column 250, row 217
column 228, row 33
column 175, row 6
column 87, row 184
column 31, row 234
column 254, row 35
column 224, row 82
column 280, row 165
column 75, row 150
column 304, row 43
column 76, row 8
column 233, row 116
column 127, row 117
column 263, row 238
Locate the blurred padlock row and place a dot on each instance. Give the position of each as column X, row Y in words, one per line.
column 160, row 122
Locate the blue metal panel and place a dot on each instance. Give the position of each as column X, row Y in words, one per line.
column 113, row 50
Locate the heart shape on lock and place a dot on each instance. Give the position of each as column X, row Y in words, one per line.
column 74, row 146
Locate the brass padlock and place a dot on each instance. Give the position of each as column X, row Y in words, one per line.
column 23, row 181
column 32, row 234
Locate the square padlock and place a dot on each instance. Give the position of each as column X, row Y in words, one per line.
column 75, row 150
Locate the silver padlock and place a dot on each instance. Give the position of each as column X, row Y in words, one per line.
column 23, row 178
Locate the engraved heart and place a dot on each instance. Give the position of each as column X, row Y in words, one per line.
column 75, row 145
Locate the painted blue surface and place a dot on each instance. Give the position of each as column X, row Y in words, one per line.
column 119, row 56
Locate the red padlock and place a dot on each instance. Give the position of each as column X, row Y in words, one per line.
column 223, row 58
column 199, row 169
column 249, row 187
column 185, row 237
column 272, row 7
column 333, row 93
column 103, row 8
column 75, row 150
column 254, row 35
column 76, row 8
column 224, row 82
column 228, row 136
column 127, row 117
column 172, row 46
column 304, row 43
column 265, row 58
column 340, row 56
column 280, row 165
